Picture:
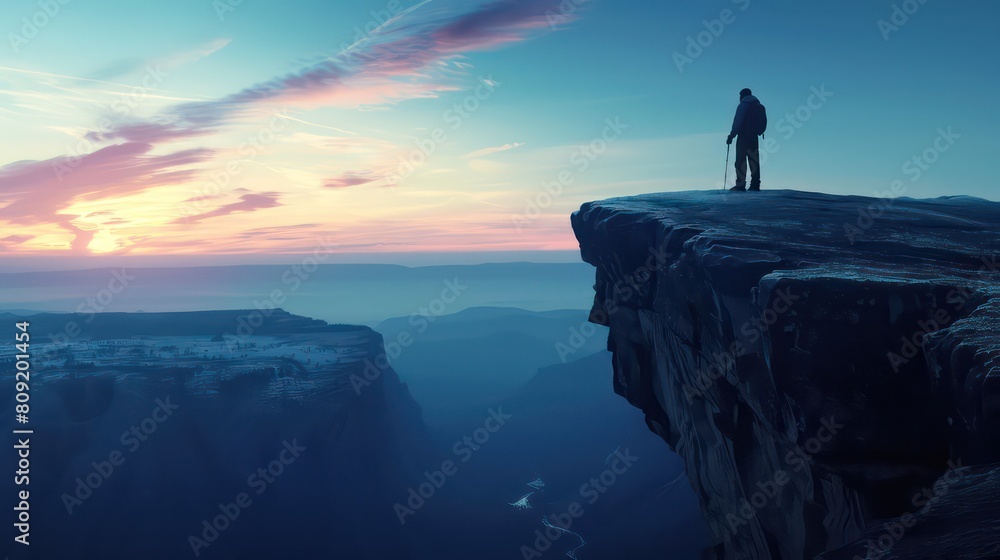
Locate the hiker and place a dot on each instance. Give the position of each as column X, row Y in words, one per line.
column 749, row 123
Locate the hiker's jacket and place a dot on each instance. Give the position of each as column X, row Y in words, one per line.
column 741, row 113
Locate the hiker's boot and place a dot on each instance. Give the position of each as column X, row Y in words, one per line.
column 739, row 188
column 754, row 187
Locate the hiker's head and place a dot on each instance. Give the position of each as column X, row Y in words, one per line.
column 745, row 92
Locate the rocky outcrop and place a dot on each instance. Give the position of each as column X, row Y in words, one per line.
column 219, row 434
column 827, row 366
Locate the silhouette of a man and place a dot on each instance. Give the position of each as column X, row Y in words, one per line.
column 747, row 146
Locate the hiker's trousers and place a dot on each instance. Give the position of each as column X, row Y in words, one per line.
column 747, row 151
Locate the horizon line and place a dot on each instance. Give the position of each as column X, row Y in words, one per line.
column 416, row 259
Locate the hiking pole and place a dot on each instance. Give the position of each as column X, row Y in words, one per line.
column 726, row 176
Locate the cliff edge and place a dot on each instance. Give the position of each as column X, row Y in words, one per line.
column 181, row 427
column 827, row 366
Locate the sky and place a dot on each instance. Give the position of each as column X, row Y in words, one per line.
column 248, row 131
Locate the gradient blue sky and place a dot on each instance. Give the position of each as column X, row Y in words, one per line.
column 345, row 112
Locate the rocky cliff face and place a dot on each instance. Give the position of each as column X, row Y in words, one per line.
column 827, row 366
column 218, row 434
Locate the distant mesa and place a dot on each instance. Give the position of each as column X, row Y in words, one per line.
column 186, row 415
column 182, row 323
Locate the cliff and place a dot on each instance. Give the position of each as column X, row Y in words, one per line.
column 220, row 434
column 827, row 366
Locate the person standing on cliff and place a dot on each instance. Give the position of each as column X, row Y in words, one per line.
column 749, row 123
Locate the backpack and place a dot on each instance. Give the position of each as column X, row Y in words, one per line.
column 756, row 119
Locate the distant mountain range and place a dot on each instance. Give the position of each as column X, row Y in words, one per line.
column 470, row 359
column 340, row 293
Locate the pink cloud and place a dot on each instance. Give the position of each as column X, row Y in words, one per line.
column 346, row 181
column 40, row 191
column 16, row 239
column 146, row 132
column 400, row 63
column 417, row 60
column 497, row 23
column 247, row 203
column 366, row 91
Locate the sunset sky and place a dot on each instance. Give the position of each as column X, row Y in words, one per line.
column 233, row 127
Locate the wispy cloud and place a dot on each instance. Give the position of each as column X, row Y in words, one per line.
column 396, row 63
column 15, row 239
column 38, row 194
column 247, row 203
column 347, row 181
column 492, row 150
column 418, row 54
